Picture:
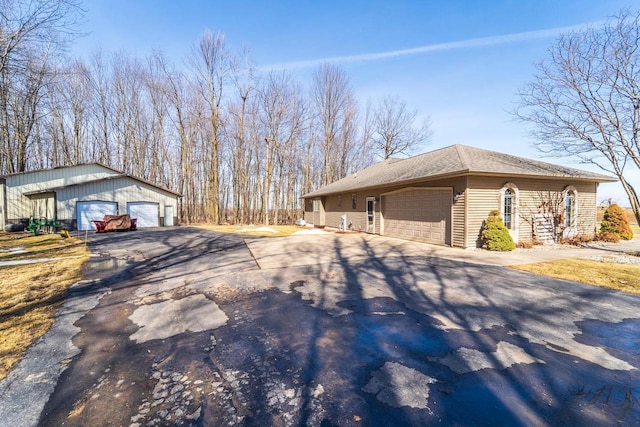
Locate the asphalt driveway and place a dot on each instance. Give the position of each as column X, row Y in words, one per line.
column 189, row 327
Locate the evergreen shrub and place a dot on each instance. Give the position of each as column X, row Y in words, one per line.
column 495, row 236
column 615, row 221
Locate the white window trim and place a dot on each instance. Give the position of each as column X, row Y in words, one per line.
column 515, row 216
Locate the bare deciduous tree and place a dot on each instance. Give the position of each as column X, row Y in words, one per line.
column 211, row 66
column 396, row 129
column 282, row 116
column 334, row 104
column 32, row 34
column 585, row 100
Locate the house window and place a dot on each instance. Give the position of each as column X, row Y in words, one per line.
column 316, row 205
column 509, row 201
column 570, row 206
column 354, row 201
column 507, row 213
column 339, row 200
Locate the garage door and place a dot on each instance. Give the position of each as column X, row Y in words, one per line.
column 146, row 212
column 88, row 211
column 423, row 215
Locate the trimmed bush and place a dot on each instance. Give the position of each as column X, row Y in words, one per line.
column 524, row 245
column 578, row 240
column 615, row 221
column 495, row 236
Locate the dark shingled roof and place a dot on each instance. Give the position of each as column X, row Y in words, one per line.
column 454, row 160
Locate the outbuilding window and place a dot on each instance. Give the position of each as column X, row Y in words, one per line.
column 354, row 201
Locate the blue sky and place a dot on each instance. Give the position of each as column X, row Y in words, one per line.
column 460, row 62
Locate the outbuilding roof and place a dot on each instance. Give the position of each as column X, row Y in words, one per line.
column 117, row 175
column 105, row 178
column 454, row 160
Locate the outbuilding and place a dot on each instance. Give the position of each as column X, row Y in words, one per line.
column 76, row 195
column 444, row 196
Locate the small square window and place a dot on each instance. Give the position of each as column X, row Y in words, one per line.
column 354, row 201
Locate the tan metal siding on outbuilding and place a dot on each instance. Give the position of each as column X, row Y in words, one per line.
column 120, row 190
column 55, row 192
column 21, row 206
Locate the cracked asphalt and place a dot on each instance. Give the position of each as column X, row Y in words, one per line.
column 184, row 326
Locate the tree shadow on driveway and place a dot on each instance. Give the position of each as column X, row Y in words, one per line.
column 386, row 337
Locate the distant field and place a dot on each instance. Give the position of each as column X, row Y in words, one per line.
column 253, row 230
column 628, row 211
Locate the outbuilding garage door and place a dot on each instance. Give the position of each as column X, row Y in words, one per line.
column 89, row 211
column 423, row 215
column 146, row 212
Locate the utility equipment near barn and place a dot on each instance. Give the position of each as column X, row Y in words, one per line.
column 116, row 223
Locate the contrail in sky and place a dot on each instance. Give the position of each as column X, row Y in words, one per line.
column 470, row 43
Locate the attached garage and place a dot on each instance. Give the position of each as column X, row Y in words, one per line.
column 422, row 214
column 147, row 213
column 93, row 210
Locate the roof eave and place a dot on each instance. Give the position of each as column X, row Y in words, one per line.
column 467, row 172
column 602, row 178
column 391, row 184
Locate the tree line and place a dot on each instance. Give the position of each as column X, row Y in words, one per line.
column 240, row 144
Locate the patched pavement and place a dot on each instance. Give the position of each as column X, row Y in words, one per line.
column 190, row 327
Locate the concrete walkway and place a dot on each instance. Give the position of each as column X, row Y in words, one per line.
column 328, row 248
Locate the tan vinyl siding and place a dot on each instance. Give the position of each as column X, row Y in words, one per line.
column 358, row 217
column 458, row 217
column 311, row 216
column 478, row 196
column 483, row 196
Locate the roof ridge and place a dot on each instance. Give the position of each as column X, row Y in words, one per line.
column 462, row 154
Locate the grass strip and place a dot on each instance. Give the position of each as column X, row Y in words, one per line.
column 610, row 275
column 30, row 294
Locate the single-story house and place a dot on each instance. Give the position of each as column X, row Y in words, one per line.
column 76, row 195
column 444, row 196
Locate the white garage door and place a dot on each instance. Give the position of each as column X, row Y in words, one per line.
column 423, row 215
column 146, row 212
column 89, row 211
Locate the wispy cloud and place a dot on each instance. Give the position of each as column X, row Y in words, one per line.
column 462, row 44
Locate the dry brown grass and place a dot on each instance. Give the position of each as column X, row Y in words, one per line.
column 30, row 294
column 621, row 277
column 282, row 230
